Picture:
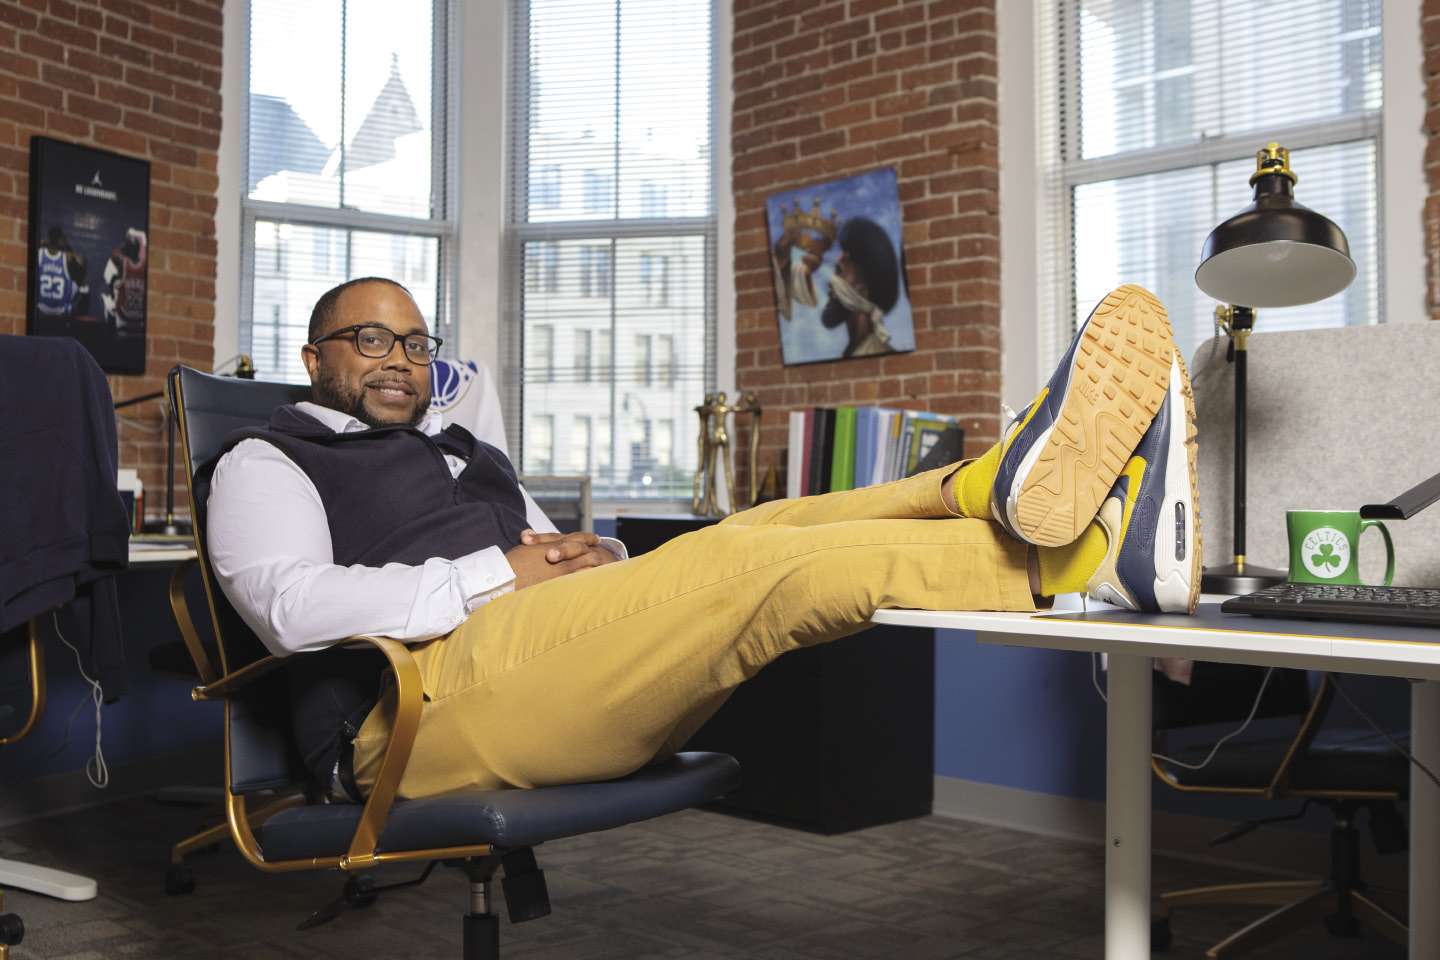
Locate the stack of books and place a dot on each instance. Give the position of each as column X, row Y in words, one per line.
column 842, row 448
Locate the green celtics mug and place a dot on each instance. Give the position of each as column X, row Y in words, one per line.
column 1325, row 546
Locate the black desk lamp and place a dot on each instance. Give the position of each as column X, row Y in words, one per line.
column 1273, row 253
column 170, row 526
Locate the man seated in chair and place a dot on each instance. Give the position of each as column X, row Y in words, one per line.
column 550, row 658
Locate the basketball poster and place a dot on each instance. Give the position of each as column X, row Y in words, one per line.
column 89, row 250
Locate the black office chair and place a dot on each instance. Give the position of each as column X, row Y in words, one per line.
column 479, row 831
column 12, row 928
column 1343, row 770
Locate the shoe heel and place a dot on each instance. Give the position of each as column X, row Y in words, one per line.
column 1120, row 378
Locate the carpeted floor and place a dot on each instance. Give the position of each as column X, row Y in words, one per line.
column 694, row 885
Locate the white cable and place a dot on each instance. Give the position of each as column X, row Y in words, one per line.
column 1095, row 679
column 1221, row 742
column 99, row 776
column 1095, row 676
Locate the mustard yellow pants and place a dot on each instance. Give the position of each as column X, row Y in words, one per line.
column 593, row 675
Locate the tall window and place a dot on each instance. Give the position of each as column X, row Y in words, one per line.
column 595, row 270
column 542, row 269
column 602, row 445
column 580, row 445
column 541, row 366
column 644, row 359
column 665, row 359
column 618, row 98
column 347, row 173
column 1154, row 112
column 540, row 442
column 604, row 369
column 582, row 355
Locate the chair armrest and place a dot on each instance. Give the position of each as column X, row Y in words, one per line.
column 224, row 686
column 410, row 697
column 180, row 609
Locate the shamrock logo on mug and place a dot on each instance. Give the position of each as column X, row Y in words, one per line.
column 1326, row 552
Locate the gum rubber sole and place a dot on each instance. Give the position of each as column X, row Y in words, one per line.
column 1192, row 451
column 1120, row 376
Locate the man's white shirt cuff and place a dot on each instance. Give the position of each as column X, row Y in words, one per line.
column 484, row 576
column 615, row 547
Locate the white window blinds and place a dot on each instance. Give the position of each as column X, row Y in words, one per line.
column 1151, row 113
column 347, row 172
column 611, row 242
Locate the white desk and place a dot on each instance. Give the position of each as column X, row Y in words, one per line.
column 1127, row 808
column 160, row 552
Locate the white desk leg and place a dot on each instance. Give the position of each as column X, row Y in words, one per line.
column 1127, row 809
column 51, row 883
column 1425, row 821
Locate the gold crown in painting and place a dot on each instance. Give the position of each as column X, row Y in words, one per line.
column 794, row 218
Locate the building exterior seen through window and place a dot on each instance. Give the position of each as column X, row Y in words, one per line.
column 1157, row 139
column 346, row 172
column 613, row 196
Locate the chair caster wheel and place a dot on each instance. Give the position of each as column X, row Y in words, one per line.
column 360, row 892
column 1342, row 925
column 1160, row 937
column 12, row 929
column 179, row 881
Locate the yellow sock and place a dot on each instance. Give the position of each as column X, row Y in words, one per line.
column 1068, row 569
column 973, row 482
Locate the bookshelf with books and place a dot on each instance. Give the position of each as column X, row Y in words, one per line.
column 841, row 448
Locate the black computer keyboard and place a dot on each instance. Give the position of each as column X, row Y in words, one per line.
column 1417, row 606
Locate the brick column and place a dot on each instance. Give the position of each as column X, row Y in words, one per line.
column 141, row 79
column 832, row 88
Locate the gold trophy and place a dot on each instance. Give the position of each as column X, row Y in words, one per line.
column 713, row 448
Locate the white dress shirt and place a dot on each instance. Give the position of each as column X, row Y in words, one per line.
column 269, row 545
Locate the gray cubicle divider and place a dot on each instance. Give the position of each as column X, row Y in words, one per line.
column 1336, row 419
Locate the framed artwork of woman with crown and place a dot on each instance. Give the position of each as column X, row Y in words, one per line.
column 839, row 268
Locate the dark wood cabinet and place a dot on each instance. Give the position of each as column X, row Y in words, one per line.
column 830, row 738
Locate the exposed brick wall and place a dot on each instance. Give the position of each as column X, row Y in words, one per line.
column 830, row 88
column 1430, row 26
column 142, row 79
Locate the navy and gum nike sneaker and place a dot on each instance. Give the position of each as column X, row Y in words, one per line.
column 1061, row 455
column 1152, row 560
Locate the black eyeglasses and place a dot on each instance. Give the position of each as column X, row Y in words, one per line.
column 376, row 342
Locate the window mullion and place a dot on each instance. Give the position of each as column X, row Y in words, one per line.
column 348, row 219
column 1221, row 149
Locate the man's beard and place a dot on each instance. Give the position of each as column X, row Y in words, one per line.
column 330, row 391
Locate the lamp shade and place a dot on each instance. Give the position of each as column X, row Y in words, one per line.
column 1275, row 252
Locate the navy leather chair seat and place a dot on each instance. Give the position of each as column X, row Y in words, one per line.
column 507, row 818
column 1345, row 759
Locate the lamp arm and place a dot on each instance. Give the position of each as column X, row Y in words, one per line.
column 1406, row 505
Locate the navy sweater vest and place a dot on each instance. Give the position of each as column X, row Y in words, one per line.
column 389, row 498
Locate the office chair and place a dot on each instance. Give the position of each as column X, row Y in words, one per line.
column 481, row 832
column 1343, row 770
column 464, row 392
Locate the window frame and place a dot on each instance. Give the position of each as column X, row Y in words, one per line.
column 442, row 226
column 1068, row 170
column 517, row 232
